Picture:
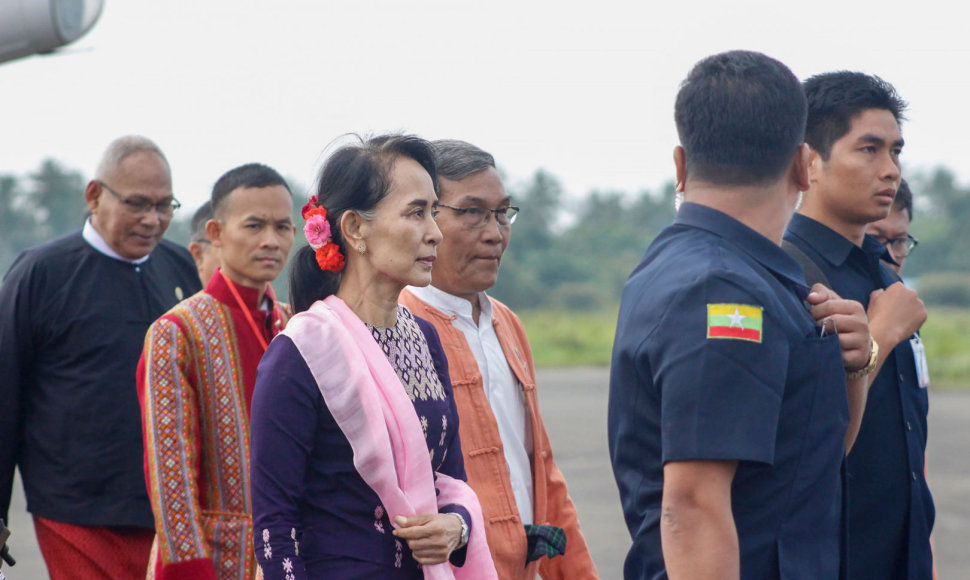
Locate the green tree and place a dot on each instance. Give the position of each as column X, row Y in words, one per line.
column 17, row 226
column 535, row 263
column 940, row 221
column 583, row 261
column 607, row 240
column 651, row 213
column 60, row 193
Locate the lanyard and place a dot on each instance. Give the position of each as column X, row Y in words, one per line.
column 245, row 310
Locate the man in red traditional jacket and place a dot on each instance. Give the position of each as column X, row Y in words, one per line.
column 196, row 379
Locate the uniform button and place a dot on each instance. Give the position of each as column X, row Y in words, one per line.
column 909, row 426
column 914, row 475
column 901, row 377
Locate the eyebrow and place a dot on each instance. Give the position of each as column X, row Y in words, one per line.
column 256, row 218
column 139, row 196
column 876, row 140
column 420, row 202
column 480, row 201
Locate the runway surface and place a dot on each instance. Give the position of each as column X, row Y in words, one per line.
column 573, row 403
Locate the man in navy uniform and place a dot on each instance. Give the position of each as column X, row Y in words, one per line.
column 731, row 403
column 73, row 316
column 854, row 171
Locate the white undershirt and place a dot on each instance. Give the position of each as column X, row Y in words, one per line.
column 503, row 391
column 92, row 237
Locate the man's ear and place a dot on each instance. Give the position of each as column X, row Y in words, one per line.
column 801, row 162
column 815, row 165
column 195, row 248
column 92, row 194
column 213, row 231
column 680, row 166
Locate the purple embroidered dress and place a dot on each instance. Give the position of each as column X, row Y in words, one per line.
column 313, row 514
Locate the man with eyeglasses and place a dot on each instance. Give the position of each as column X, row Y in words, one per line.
column 73, row 316
column 530, row 521
column 893, row 230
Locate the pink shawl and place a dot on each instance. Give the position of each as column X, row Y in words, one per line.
column 365, row 396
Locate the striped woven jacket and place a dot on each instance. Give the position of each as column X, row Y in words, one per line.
column 195, row 383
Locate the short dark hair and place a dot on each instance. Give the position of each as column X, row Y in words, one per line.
column 199, row 219
column 356, row 177
column 835, row 98
column 456, row 159
column 904, row 199
column 741, row 117
column 254, row 175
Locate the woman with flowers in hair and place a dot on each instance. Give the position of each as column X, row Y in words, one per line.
column 356, row 466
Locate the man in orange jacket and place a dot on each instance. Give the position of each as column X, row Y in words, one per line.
column 530, row 520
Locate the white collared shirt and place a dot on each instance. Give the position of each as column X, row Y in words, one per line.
column 92, row 237
column 503, row 391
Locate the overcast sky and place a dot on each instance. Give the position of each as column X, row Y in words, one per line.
column 584, row 90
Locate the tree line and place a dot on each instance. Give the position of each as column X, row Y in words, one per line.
column 565, row 253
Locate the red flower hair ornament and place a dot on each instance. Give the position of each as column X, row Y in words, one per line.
column 310, row 205
column 317, row 231
column 330, row 258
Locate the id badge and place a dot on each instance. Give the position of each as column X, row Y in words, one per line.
column 922, row 369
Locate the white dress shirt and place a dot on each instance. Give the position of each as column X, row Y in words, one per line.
column 94, row 239
column 503, row 391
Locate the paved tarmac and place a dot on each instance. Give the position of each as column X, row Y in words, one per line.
column 573, row 404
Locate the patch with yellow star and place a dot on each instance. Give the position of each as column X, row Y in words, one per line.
column 734, row 321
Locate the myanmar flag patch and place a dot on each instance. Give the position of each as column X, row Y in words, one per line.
column 738, row 321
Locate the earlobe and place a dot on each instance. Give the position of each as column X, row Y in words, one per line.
column 92, row 192
column 195, row 248
column 680, row 166
column 815, row 163
column 213, row 231
column 351, row 226
column 801, row 167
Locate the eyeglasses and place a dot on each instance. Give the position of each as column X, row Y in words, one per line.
column 141, row 206
column 901, row 247
column 476, row 217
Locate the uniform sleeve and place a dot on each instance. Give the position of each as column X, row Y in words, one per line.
column 284, row 422
column 170, row 419
column 16, row 346
column 719, row 360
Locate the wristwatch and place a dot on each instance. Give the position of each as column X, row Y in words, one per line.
column 873, row 355
column 464, row 529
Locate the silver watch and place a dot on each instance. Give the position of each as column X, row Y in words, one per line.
column 464, row 529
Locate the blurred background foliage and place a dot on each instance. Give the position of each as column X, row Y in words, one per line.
column 570, row 256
